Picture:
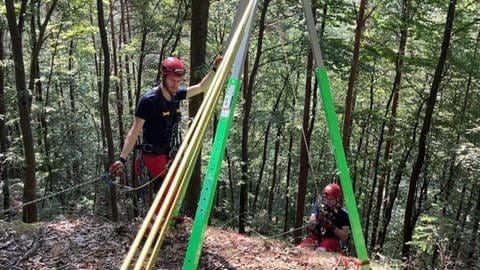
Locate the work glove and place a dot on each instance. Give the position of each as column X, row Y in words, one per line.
column 217, row 62
column 117, row 168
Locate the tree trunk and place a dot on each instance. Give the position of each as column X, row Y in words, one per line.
column 391, row 124
column 273, row 185
column 287, row 184
column 392, row 195
column 375, row 166
column 125, row 33
column 118, row 93
column 349, row 104
column 24, row 100
column 247, row 107
column 3, row 128
column 198, row 45
column 362, row 142
column 264, row 152
column 127, row 85
column 304, row 146
column 35, row 86
column 409, row 221
column 105, row 110
column 275, row 173
column 243, row 201
column 71, row 89
column 474, row 236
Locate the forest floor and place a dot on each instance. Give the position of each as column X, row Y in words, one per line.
column 95, row 243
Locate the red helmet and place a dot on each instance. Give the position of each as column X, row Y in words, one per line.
column 332, row 190
column 173, row 66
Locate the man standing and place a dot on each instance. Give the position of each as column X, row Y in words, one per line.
column 157, row 115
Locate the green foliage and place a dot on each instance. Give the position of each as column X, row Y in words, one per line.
column 426, row 234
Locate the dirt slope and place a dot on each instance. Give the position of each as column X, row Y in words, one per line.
column 94, row 243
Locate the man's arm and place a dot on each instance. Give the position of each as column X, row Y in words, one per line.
column 201, row 87
column 342, row 233
column 116, row 168
column 132, row 136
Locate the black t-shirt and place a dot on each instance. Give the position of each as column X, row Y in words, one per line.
column 337, row 215
column 160, row 116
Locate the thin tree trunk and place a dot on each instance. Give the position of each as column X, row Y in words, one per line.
column 24, row 100
column 390, row 122
column 125, row 33
column 347, row 121
column 474, row 235
column 71, row 89
column 105, row 110
column 247, row 107
column 304, row 146
column 392, row 196
column 375, row 163
column 264, row 152
column 243, row 201
column 118, row 93
column 3, row 128
column 198, row 48
column 230, row 181
column 361, row 146
column 129, row 87
column 393, row 118
column 97, row 84
column 409, row 221
column 287, row 184
column 271, row 193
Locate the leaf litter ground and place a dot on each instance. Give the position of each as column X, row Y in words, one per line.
column 94, row 243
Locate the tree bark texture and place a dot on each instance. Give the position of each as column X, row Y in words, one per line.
column 24, row 101
column 349, row 98
column 304, row 148
column 105, row 107
column 198, row 49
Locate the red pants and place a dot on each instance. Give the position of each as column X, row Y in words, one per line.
column 329, row 244
column 156, row 164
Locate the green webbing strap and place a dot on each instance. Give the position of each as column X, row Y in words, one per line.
column 334, row 131
column 341, row 162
